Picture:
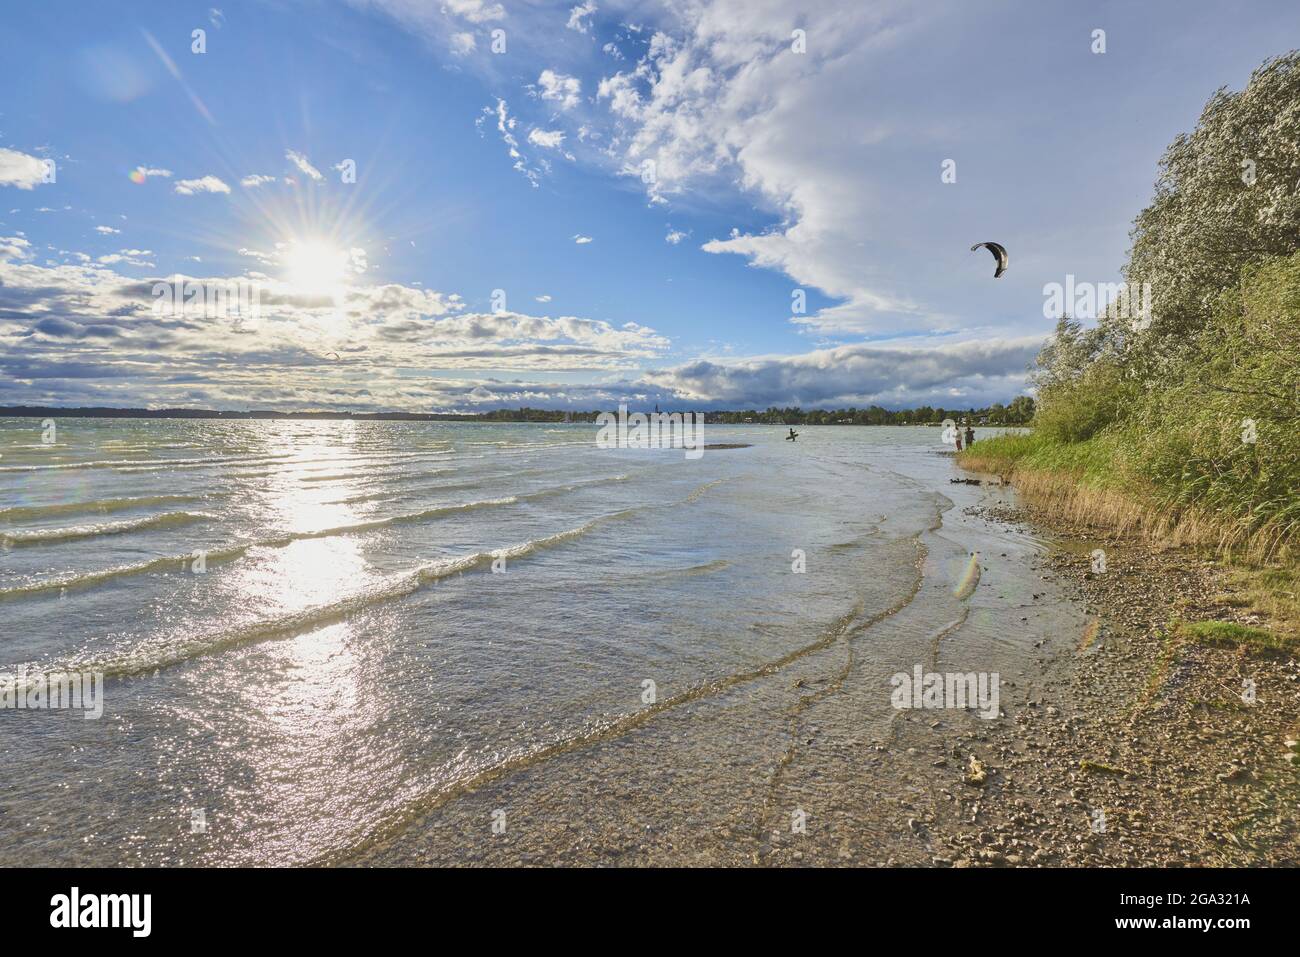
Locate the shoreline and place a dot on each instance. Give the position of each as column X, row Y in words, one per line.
column 1121, row 745
column 1148, row 745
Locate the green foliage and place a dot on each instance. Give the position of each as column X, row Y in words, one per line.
column 1225, row 432
column 1092, row 462
column 1075, row 411
column 1019, row 412
column 1201, row 408
column 1226, row 197
column 1232, row 635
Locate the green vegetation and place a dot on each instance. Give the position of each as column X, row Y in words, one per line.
column 1232, row 635
column 1018, row 412
column 1192, row 411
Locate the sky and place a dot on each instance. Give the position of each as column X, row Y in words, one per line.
column 466, row 205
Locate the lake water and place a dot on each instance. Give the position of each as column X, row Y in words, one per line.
column 332, row 642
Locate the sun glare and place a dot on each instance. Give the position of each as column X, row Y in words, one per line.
column 312, row 266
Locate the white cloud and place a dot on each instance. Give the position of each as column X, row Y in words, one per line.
column 303, row 164
column 253, row 180
column 896, row 376
column 579, row 16
column 547, row 139
column 561, row 89
column 463, row 44
column 129, row 257
column 582, row 240
column 542, row 298
column 476, row 11
column 206, row 184
column 14, row 247
column 88, row 334
column 148, row 172
column 106, row 230
column 505, row 126
column 19, row 169
column 714, row 103
column 675, row 236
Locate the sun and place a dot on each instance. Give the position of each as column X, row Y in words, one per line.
column 315, row 266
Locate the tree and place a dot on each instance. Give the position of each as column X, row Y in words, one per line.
column 1228, row 194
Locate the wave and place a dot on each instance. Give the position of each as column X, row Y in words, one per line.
column 234, row 551
column 177, row 649
column 24, row 512
column 142, row 465
column 46, row 535
column 85, row 579
column 174, row 650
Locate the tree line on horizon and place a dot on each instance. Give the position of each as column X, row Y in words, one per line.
column 1018, row 412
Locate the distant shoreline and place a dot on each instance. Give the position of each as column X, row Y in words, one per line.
column 525, row 415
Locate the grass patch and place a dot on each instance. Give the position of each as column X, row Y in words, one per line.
column 1091, row 463
column 1229, row 634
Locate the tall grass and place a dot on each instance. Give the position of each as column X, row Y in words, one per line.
column 1205, row 448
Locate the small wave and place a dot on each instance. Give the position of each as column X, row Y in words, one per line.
column 24, row 512
column 234, row 551
column 174, row 650
column 46, row 535
column 700, row 492
column 140, row 465
column 85, row 579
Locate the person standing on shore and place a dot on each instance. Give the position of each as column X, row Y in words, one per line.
column 970, row 436
column 956, row 437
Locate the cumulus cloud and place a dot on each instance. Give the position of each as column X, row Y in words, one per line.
column 14, row 247
column 558, row 88
column 253, row 180
column 580, row 16
column 547, row 139
column 205, row 184
column 19, row 169
column 106, row 230
column 895, row 376
column 715, row 99
column 582, row 240
column 476, row 11
column 129, row 257
column 73, row 334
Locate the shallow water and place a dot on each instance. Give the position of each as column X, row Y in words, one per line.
column 318, row 634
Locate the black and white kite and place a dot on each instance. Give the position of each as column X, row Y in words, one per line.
column 999, row 253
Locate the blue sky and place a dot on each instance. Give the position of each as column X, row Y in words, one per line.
column 482, row 169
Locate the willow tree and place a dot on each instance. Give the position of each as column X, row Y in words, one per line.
column 1227, row 196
